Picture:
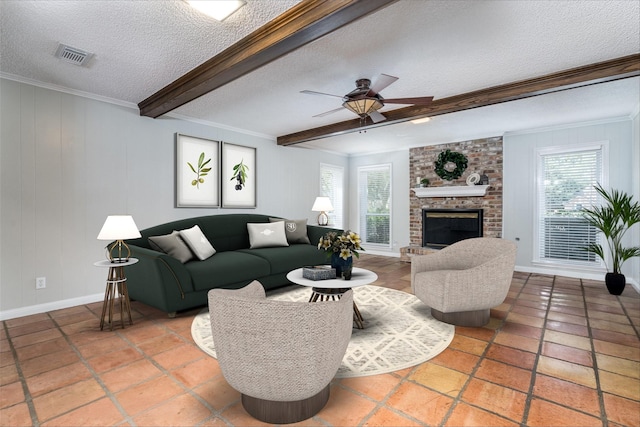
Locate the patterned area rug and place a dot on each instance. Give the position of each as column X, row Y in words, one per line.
column 399, row 331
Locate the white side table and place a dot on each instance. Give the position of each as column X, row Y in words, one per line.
column 116, row 288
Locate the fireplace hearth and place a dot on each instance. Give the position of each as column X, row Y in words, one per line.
column 443, row 227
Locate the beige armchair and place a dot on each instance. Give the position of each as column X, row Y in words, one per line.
column 463, row 281
column 280, row 355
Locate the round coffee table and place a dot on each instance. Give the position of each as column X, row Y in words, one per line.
column 334, row 288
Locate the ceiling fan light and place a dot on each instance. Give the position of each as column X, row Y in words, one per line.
column 217, row 9
column 363, row 106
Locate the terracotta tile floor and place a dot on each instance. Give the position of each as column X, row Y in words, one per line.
column 558, row 351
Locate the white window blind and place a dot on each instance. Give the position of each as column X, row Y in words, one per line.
column 566, row 185
column 374, row 204
column 332, row 186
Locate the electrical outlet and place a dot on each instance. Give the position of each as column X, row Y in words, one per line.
column 41, row 282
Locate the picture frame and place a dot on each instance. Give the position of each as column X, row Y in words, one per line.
column 197, row 172
column 239, row 176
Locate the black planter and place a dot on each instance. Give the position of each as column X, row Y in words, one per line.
column 615, row 283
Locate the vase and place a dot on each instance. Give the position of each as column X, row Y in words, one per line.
column 615, row 283
column 343, row 266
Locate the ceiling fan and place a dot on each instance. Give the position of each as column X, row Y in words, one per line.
column 365, row 100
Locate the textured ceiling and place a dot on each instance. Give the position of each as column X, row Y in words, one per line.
column 439, row 48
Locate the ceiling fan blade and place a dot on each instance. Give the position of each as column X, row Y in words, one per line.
column 377, row 117
column 326, row 113
column 424, row 100
column 312, row 92
column 382, row 81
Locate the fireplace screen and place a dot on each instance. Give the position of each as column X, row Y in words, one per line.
column 443, row 227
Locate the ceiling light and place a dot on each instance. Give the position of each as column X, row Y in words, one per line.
column 422, row 120
column 363, row 106
column 217, row 9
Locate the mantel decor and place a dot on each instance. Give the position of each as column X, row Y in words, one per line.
column 197, row 172
column 444, row 161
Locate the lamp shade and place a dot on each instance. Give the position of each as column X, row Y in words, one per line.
column 322, row 204
column 363, row 106
column 119, row 227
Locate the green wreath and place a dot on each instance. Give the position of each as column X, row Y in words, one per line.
column 449, row 156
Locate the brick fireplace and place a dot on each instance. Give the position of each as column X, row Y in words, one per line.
column 484, row 157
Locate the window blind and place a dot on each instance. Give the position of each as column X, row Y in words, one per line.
column 566, row 185
column 374, row 204
column 332, row 186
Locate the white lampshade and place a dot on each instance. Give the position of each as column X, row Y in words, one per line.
column 119, row 227
column 322, row 204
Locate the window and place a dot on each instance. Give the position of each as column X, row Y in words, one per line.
column 374, row 204
column 565, row 185
column 332, row 186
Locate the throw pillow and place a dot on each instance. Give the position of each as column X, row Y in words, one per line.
column 197, row 242
column 172, row 245
column 295, row 230
column 264, row 235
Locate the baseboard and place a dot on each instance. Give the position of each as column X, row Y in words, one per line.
column 572, row 273
column 382, row 253
column 50, row 306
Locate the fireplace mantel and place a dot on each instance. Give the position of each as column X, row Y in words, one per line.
column 451, row 191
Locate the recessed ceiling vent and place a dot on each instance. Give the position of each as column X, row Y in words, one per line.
column 73, row 55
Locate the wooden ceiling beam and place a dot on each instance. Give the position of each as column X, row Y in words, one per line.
column 615, row 69
column 305, row 22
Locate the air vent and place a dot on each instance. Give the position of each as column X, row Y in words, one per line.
column 73, row 55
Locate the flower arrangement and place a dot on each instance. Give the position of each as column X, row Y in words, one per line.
column 345, row 244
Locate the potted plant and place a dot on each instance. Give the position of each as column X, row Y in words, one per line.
column 613, row 218
column 341, row 248
column 424, row 182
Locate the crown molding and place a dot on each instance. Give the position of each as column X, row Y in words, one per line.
column 63, row 89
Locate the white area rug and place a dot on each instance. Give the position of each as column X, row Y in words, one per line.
column 399, row 331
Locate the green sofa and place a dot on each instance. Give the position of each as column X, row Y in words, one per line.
column 162, row 281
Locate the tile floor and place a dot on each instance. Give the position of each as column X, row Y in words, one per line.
column 559, row 351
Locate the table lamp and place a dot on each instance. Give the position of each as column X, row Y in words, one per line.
column 322, row 205
column 117, row 228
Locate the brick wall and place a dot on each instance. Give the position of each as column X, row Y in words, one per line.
column 484, row 157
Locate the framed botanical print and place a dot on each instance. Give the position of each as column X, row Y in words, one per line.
column 197, row 172
column 239, row 178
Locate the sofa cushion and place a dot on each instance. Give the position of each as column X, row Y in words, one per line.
column 285, row 259
column 226, row 269
column 294, row 229
column 197, row 242
column 172, row 245
column 267, row 235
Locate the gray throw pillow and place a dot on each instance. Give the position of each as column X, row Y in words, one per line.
column 294, row 229
column 197, row 242
column 172, row 245
column 265, row 235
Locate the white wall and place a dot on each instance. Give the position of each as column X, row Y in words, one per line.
column 66, row 162
column 399, row 161
column 634, row 263
column 520, row 172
